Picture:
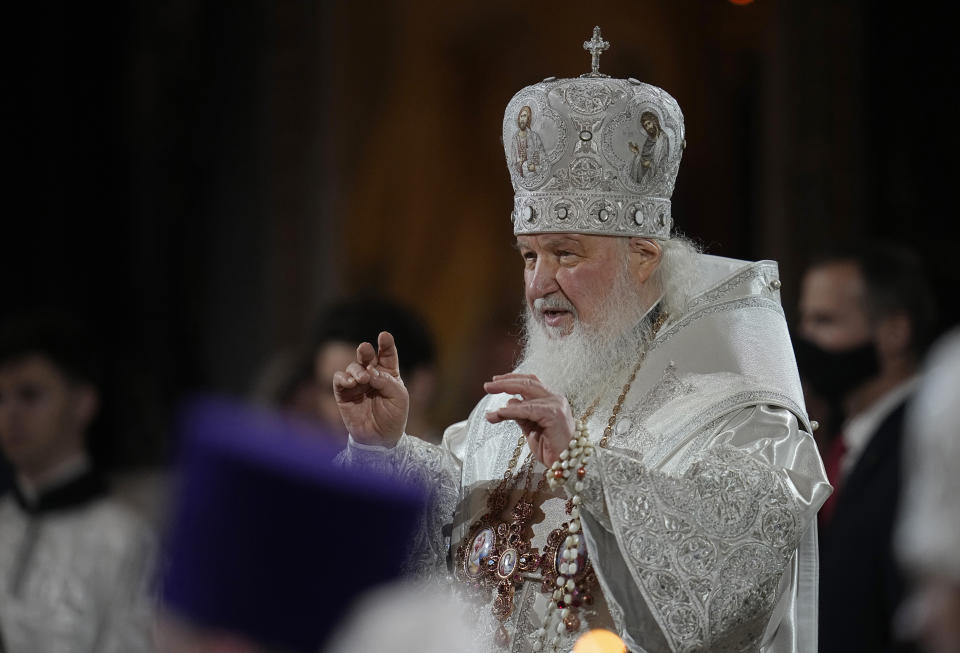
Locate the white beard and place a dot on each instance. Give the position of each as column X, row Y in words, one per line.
column 581, row 364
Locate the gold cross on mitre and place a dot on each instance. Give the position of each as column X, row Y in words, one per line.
column 595, row 47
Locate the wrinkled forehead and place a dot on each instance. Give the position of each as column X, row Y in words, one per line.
column 590, row 242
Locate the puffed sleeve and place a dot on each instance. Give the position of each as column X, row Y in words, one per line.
column 434, row 468
column 692, row 554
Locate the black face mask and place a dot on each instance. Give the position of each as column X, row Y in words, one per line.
column 834, row 374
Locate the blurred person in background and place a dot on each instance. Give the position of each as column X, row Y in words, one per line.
column 74, row 563
column 648, row 468
column 928, row 529
column 866, row 316
column 287, row 383
column 343, row 325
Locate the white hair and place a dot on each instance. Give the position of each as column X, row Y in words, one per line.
column 579, row 364
column 677, row 273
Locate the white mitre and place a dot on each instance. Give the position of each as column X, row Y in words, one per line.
column 597, row 155
column 593, row 155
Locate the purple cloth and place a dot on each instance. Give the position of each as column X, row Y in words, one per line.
column 268, row 539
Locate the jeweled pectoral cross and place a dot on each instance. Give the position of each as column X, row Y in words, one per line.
column 595, row 47
column 499, row 555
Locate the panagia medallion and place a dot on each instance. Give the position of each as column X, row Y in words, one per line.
column 480, row 550
column 507, row 563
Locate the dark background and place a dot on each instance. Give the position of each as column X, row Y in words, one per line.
column 196, row 178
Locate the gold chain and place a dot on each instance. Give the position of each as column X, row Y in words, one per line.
column 608, row 430
column 497, row 499
column 589, row 411
column 513, row 461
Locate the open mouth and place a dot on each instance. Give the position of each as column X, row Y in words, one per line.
column 553, row 316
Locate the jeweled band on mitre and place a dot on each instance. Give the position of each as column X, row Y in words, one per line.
column 605, row 214
column 593, row 155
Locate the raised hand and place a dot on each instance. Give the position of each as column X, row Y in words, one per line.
column 372, row 399
column 544, row 417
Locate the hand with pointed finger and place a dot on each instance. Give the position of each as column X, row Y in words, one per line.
column 372, row 399
column 544, row 417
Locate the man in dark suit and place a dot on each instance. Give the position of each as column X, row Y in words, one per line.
column 865, row 319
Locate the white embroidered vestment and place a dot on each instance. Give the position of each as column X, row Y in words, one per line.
column 699, row 516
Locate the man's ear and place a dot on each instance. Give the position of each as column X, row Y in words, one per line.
column 645, row 255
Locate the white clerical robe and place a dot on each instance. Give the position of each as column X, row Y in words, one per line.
column 699, row 516
column 75, row 580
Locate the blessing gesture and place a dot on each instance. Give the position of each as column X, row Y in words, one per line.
column 544, row 417
column 370, row 394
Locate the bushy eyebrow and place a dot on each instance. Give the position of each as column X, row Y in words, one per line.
column 552, row 240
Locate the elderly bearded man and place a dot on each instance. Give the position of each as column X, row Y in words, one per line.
column 649, row 466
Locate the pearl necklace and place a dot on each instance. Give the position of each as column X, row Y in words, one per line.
column 572, row 466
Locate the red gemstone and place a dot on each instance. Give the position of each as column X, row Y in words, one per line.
column 581, row 472
column 558, row 474
column 572, row 622
column 561, row 604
